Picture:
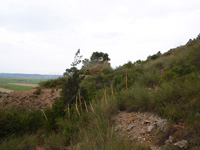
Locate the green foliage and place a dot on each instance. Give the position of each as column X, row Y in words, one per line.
column 155, row 56
column 19, row 121
column 98, row 132
column 137, row 98
column 50, row 124
column 55, row 142
column 169, row 147
column 21, row 80
column 58, row 108
column 77, row 59
column 167, row 84
column 119, row 77
column 99, row 57
column 138, row 62
column 149, row 79
column 38, row 91
column 70, row 88
column 15, row 87
column 26, row 142
column 4, row 82
column 85, row 62
column 53, row 83
column 129, row 65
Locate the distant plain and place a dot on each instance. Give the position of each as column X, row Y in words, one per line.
column 19, row 84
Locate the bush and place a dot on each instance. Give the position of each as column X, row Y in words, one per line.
column 55, row 142
column 136, row 98
column 53, row 83
column 19, row 121
column 149, row 79
column 26, row 142
column 38, row 91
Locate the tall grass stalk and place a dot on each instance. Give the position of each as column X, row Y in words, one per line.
column 76, row 105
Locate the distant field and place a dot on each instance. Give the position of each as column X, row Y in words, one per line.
column 18, row 84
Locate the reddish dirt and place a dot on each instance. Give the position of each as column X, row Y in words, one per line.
column 30, row 100
column 5, row 90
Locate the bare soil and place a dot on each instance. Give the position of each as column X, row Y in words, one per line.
column 5, row 90
column 30, row 100
column 24, row 84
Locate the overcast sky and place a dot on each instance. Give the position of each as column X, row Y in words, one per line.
column 42, row 36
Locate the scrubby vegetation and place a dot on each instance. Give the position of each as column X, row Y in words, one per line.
column 167, row 84
column 2, row 93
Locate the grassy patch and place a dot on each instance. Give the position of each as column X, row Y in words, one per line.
column 15, row 87
column 26, row 142
column 4, row 83
column 20, row 80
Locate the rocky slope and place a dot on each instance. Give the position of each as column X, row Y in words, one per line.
column 149, row 129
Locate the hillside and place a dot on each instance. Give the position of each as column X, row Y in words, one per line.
column 104, row 108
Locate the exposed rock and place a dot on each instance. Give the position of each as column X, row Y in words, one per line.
column 130, row 127
column 182, row 144
column 161, row 123
column 146, row 122
column 134, row 125
column 128, row 121
column 118, row 128
column 170, row 140
column 150, row 128
column 142, row 132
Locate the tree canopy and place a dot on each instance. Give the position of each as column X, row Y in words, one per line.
column 99, row 57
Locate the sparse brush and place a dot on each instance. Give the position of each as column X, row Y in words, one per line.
column 38, row 91
column 99, row 134
column 138, row 97
column 52, row 90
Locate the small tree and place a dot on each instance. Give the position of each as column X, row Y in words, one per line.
column 99, row 57
column 73, row 69
column 70, row 86
column 85, row 62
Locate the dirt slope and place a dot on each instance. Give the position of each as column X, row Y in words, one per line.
column 5, row 90
column 29, row 99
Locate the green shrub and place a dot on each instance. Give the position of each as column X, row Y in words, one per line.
column 50, row 124
column 68, row 128
column 55, row 142
column 26, row 142
column 138, row 97
column 149, row 79
column 53, row 83
column 19, row 121
column 38, row 91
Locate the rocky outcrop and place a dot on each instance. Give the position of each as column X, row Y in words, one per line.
column 147, row 127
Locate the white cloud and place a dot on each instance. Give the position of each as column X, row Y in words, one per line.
column 43, row 36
